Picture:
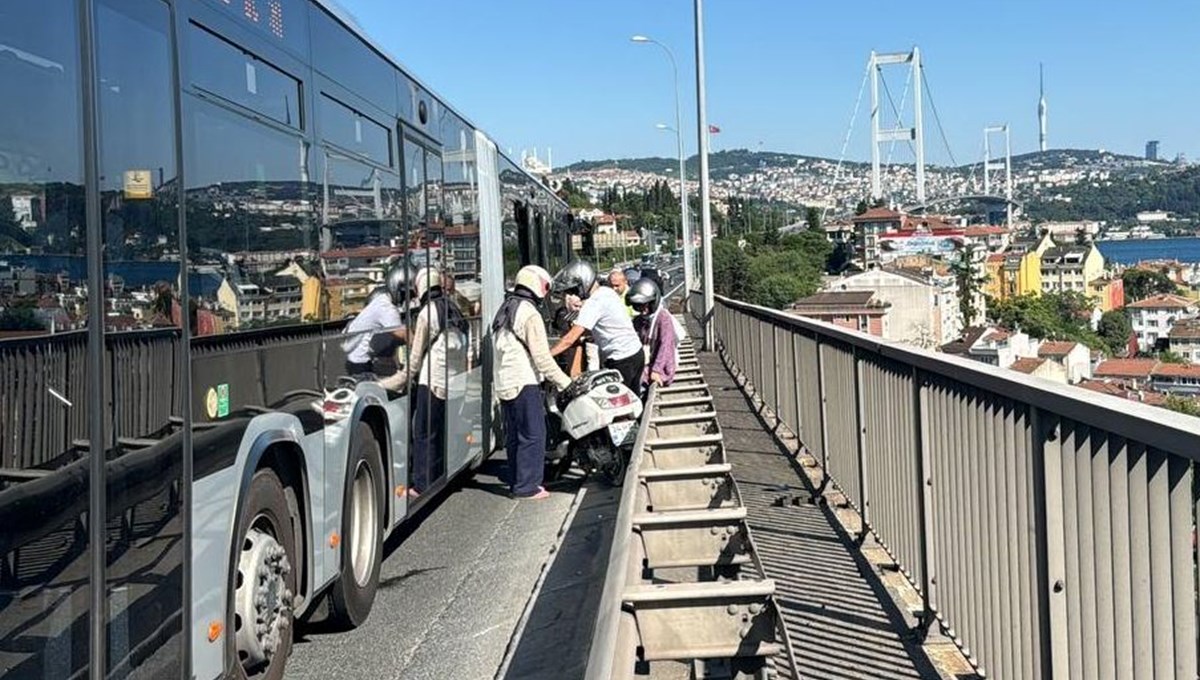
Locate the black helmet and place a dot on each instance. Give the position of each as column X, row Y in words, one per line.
column 399, row 284
column 576, row 278
column 643, row 295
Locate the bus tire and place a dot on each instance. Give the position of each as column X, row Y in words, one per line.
column 353, row 593
column 264, row 581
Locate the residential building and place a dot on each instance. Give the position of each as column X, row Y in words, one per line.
column 991, row 345
column 993, row 239
column 1000, row 347
column 462, row 247
column 1118, row 390
column 266, row 300
column 1153, row 317
column 1071, row 268
column 855, row 310
column 369, row 261
column 1108, row 292
column 868, row 228
column 1130, row 373
column 1041, row 368
column 1074, row 357
column 1184, row 339
column 1177, row 379
column 924, row 307
column 1069, row 232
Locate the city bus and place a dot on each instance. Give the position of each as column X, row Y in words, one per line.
column 196, row 197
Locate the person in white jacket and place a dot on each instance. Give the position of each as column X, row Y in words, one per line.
column 522, row 363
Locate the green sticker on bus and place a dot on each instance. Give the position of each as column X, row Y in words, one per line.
column 222, row 400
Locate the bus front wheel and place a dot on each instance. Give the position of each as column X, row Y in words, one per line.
column 264, row 584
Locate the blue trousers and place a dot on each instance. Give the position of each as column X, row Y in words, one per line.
column 525, row 433
column 428, row 461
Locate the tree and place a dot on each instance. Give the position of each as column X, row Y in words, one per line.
column 862, row 207
column 1115, row 330
column 780, row 290
column 1169, row 357
column 20, row 319
column 1142, row 283
column 730, row 269
column 1050, row 316
column 1183, row 405
column 813, row 217
column 970, row 283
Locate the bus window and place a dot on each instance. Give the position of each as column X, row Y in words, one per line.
column 44, row 349
column 139, row 208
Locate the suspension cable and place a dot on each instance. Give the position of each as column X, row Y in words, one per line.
column 938, row 119
column 896, row 112
column 837, row 172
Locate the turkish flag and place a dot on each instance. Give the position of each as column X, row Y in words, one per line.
column 713, row 129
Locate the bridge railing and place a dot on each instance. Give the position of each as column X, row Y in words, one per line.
column 1049, row 530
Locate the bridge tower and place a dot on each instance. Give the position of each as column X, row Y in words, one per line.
column 989, row 165
column 1042, row 109
column 915, row 134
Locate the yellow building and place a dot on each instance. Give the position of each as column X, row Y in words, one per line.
column 1013, row 273
column 1072, row 268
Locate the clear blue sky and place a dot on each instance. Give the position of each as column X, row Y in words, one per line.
column 785, row 73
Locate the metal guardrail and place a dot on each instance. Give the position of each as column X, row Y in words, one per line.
column 684, row 582
column 1049, row 530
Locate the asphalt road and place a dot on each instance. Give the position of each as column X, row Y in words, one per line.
column 452, row 589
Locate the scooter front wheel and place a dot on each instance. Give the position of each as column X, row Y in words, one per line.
column 613, row 471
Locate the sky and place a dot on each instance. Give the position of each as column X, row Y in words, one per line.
column 783, row 75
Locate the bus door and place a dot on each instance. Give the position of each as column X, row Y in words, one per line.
column 430, row 313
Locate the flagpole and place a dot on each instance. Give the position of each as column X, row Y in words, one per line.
column 705, row 209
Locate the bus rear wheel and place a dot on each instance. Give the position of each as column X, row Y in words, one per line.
column 362, row 532
column 265, row 581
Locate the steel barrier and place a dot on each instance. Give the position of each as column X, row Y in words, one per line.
column 1049, row 530
column 684, row 581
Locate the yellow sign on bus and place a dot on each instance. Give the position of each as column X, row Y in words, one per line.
column 138, row 185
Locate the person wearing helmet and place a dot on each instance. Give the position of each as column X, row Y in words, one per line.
column 437, row 326
column 379, row 327
column 656, row 330
column 522, row 364
column 603, row 314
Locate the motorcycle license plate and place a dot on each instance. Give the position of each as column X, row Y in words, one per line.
column 621, row 431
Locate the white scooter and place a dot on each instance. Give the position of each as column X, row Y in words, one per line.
column 594, row 423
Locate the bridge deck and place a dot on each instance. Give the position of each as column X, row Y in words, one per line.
column 840, row 616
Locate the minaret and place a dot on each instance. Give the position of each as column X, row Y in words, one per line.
column 1041, row 109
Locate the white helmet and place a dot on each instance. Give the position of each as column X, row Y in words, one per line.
column 534, row 278
column 428, row 279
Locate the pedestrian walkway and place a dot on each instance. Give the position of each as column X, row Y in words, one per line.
column 841, row 620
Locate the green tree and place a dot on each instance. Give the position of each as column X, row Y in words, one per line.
column 20, row 319
column 812, row 217
column 1183, row 405
column 730, row 269
column 861, row 207
column 1114, row 330
column 1050, row 316
column 1169, row 357
column 780, row 290
column 1142, row 283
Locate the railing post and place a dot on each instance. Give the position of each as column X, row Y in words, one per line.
column 822, row 392
column 864, row 501
column 797, row 376
column 1052, row 600
column 920, row 397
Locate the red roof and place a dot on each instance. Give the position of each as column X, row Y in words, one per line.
column 363, row 251
column 996, row 257
column 985, row 230
column 878, row 215
column 1126, row 368
column 1056, row 349
column 1027, row 365
column 1167, row 301
column 1177, row 370
column 1152, row 398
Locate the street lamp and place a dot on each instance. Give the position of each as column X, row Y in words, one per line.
column 683, row 202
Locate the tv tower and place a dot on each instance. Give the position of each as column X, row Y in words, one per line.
column 1041, row 109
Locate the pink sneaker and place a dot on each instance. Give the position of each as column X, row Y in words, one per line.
column 538, row 495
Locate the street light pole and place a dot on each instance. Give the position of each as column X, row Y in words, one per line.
column 705, row 210
column 685, row 226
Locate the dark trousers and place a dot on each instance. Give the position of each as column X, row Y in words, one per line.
column 525, row 440
column 428, row 455
column 630, row 369
column 356, row 368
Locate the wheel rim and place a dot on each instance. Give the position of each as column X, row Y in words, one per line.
column 263, row 600
column 364, row 523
